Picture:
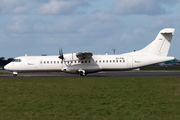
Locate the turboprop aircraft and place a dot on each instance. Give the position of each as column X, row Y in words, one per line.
column 84, row 63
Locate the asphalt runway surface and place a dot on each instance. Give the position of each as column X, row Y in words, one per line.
column 117, row 74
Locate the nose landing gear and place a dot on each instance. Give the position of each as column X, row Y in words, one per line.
column 15, row 74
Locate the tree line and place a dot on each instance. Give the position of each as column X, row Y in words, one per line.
column 3, row 61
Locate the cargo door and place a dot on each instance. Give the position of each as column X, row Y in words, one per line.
column 130, row 62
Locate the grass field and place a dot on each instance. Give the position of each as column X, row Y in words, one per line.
column 90, row 98
column 4, row 73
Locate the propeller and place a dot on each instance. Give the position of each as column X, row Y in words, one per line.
column 61, row 56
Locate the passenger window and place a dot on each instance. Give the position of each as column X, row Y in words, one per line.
column 81, row 61
column 117, row 61
column 57, row 62
column 47, row 62
column 89, row 61
column 113, row 60
column 99, row 61
column 107, row 61
column 123, row 60
column 120, row 61
column 44, row 62
column 85, row 61
column 110, row 61
column 54, row 62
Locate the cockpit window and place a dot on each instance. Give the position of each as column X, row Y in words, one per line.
column 16, row 60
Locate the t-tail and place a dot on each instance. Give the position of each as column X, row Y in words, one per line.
column 160, row 46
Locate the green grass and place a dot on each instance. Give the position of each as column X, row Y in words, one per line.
column 90, row 98
column 4, row 72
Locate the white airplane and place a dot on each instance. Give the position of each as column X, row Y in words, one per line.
column 85, row 62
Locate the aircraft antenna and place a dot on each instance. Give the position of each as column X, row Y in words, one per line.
column 114, row 51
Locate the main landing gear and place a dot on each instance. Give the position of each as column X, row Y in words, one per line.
column 82, row 72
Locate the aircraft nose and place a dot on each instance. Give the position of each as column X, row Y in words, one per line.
column 6, row 67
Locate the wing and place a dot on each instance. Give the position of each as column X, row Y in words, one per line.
column 84, row 55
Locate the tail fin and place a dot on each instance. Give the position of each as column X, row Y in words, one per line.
column 160, row 46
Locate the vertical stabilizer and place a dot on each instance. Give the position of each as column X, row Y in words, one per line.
column 160, row 46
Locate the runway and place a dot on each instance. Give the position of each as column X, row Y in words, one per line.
column 117, row 74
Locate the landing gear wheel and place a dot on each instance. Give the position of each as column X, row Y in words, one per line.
column 82, row 73
column 15, row 74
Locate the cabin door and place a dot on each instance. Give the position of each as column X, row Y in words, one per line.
column 32, row 63
column 41, row 63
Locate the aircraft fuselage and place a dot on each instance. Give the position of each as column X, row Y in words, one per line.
column 85, row 62
column 95, row 64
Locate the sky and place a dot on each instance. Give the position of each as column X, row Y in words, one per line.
column 36, row 27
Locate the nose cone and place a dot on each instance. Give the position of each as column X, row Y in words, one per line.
column 6, row 67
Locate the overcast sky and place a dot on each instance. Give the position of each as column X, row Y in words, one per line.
column 37, row 27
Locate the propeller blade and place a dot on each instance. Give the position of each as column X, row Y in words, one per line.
column 61, row 56
column 59, row 52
